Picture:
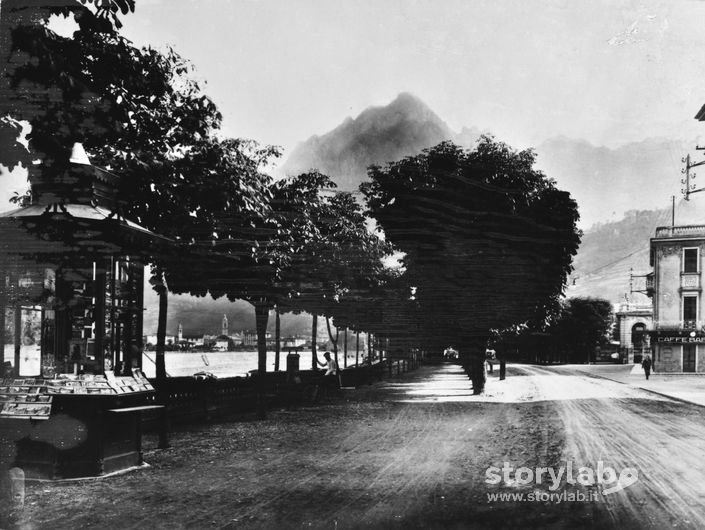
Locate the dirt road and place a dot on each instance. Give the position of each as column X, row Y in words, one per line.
column 664, row 441
column 414, row 453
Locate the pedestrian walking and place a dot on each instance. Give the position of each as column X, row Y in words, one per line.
column 646, row 365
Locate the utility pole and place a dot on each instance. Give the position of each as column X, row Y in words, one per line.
column 689, row 186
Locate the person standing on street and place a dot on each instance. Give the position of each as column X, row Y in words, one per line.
column 646, row 365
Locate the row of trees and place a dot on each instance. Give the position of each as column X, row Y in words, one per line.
column 294, row 245
column 487, row 240
column 573, row 334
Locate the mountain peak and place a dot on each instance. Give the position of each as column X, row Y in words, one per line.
column 408, row 100
column 378, row 135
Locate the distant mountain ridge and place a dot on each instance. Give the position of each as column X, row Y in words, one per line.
column 377, row 136
column 609, row 182
column 606, row 182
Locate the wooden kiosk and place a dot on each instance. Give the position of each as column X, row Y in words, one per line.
column 71, row 303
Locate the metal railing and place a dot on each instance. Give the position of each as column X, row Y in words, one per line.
column 188, row 399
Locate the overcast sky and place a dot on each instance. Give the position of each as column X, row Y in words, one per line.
column 281, row 70
column 606, row 71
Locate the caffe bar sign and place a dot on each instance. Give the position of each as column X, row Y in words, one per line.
column 681, row 338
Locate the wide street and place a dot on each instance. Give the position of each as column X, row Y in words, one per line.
column 415, row 452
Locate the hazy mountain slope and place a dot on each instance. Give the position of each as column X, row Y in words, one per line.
column 609, row 252
column 378, row 135
column 606, row 182
column 200, row 316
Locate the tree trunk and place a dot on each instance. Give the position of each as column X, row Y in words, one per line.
column 314, row 338
column 476, row 366
column 277, row 336
column 502, row 369
column 334, row 340
column 357, row 349
column 345, row 349
column 160, row 360
column 261, row 318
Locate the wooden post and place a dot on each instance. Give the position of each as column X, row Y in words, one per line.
column 3, row 305
column 127, row 291
column 99, row 317
column 18, row 338
column 138, row 324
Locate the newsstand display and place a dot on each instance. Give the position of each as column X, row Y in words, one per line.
column 75, row 426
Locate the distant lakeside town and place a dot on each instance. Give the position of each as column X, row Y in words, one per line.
column 244, row 340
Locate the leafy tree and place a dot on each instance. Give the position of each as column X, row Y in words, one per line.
column 488, row 240
column 583, row 325
column 139, row 113
column 339, row 267
column 259, row 251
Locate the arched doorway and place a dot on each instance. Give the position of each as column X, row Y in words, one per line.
column 638, row 340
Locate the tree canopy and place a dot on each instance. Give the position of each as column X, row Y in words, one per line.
column 139, row 113
column 583, row 324
column 488, row 239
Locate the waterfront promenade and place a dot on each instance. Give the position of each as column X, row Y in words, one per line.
column 408, row 452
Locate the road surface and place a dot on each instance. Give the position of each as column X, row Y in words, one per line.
column 663, row 440
column 416, row 452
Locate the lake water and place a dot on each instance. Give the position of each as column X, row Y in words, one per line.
column 221, row 364
column 226, row 364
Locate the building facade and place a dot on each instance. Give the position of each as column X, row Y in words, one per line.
column 678, row 337
column 635, row 322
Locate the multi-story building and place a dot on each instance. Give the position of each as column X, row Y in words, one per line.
column 676, row 285
column 678, row 337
